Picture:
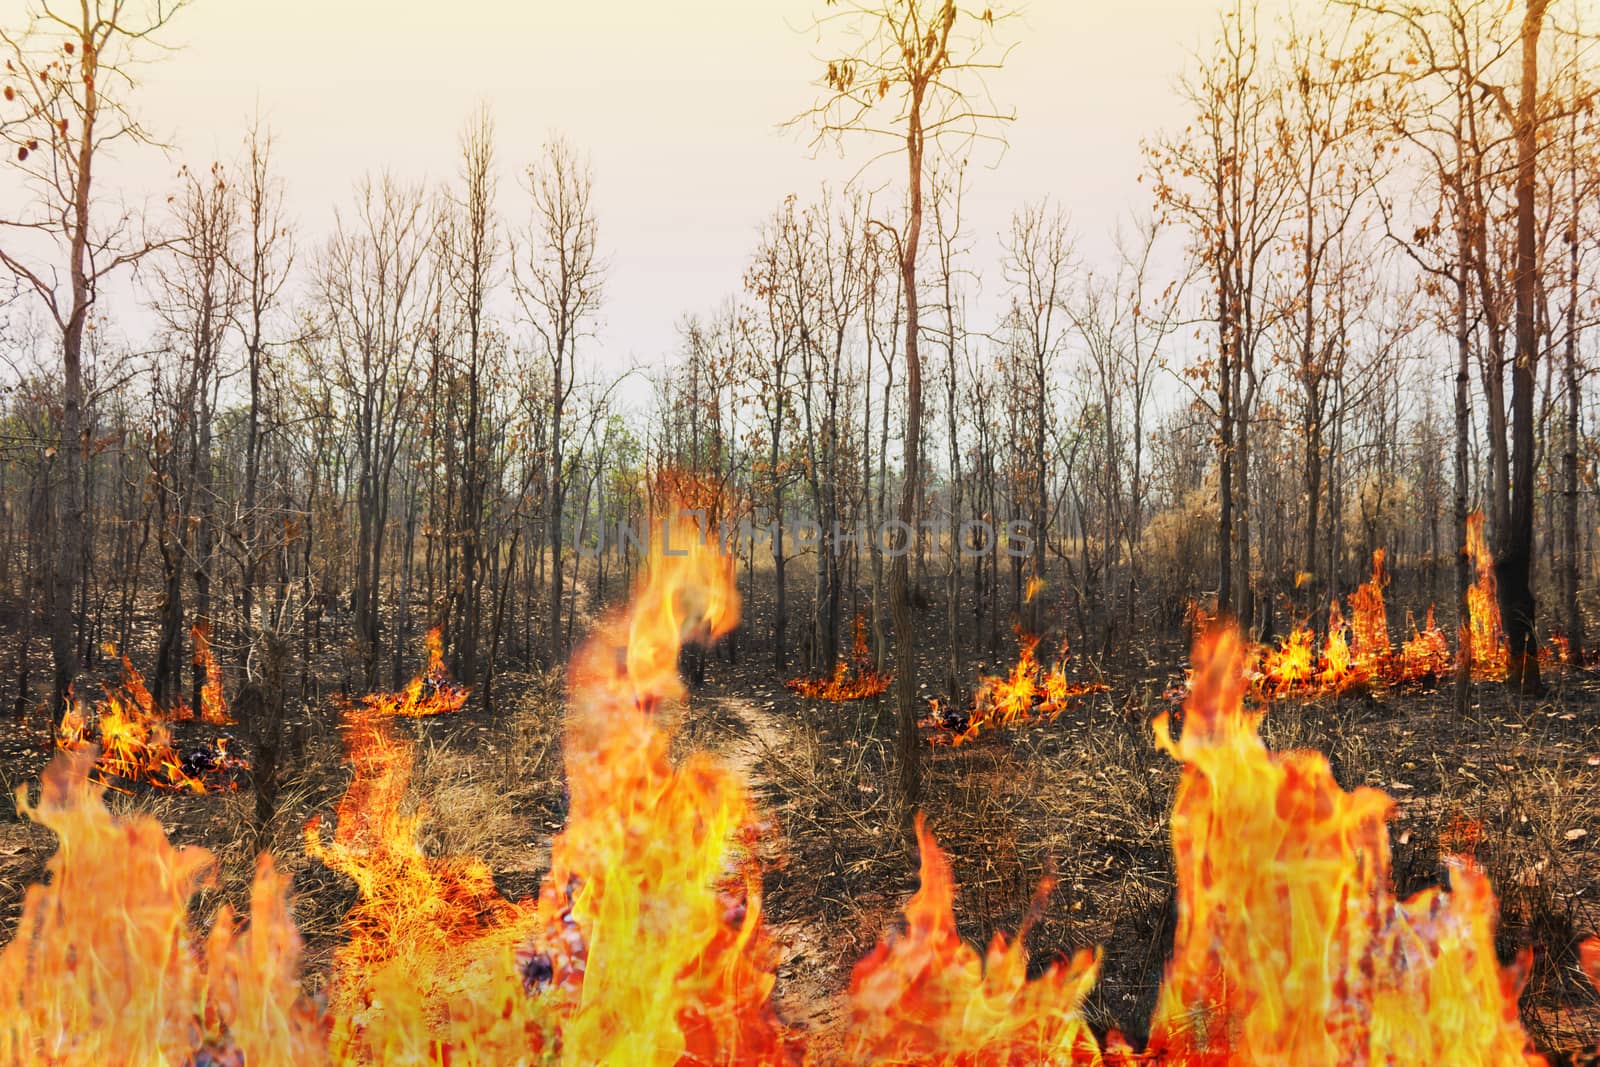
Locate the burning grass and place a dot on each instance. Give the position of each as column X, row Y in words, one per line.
column 856, row 678
column 133, row 737
column 431, row 692
column 1360, row 653
column 647, row 942
column 1031, row 692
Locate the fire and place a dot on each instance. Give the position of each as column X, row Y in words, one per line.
column 1369, row 619
column 213, row 708
column 135, row 742
column 854, row 679
column 1290, row 946
column 431, row 692
column 1030, row 692
column 1339, row 668
column 651, row 948
column 105, row 967
column 1488, row 650
column 424, row 929
column 646, row 943
column 1426, row 654
column 927, row 997
column 1293, row 664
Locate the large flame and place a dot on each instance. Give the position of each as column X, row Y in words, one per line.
column 646, row 944
column 105, row 968
column 651, row 944
column 425, row 933
column 1291, row 947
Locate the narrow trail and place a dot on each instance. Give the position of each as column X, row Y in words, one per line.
column 802, row 997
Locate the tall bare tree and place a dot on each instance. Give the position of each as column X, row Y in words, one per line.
column 375, row 292
column 921, row 62
column 262, row 262
column 471, row 249
column 67, row 94
column 1224, row 180
column 558, row 277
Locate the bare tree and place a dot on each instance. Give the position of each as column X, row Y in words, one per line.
column 1514, row 562
column 1039, row 261
column 1223, row 179
column 65, row 101
column 558, row 278
column 262, row 263
column 375, row 293
column 197, row 300
column 909, row 58
column 471, row 249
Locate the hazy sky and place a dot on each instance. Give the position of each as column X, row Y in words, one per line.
column 679, row 104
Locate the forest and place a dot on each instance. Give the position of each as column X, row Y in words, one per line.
column 295, row 520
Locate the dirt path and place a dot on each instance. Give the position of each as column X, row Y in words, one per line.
column 802, row 996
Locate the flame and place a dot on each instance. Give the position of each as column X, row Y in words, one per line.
column 1293, row 664
column 213, row 708
column 1489, row 651
column 135, row 742
column 927, row 997
column 1426, row 654
column 430, row 693
column 424, row 930
column 1369, row 620
column 651, row 945
column 1339, row 668
column 1031, row 692
column 105, row 968
column 854, row 679
column 1290, row 946
column 646, row 943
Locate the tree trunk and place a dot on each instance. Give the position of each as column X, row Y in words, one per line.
column 1513, row 568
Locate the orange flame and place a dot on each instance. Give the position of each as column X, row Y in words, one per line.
column 1030, row 692
column 651, row 945
column 1339, row 668
column 1290, row 946
column 854, row 679
column 424, row 930
column 135, row 743
column 646, row 944
column 927, row 997
column 1369, row 620
column 213, row 708
column 1489, row 651
column 1293, row 664
column 1426, row 654
column 430, row 693
column 104, row 967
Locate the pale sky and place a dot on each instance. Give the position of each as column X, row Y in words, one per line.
column 679, row 104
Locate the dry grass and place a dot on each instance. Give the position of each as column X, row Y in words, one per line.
column 1084, row 800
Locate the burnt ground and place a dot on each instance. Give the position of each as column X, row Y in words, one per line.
column 1084, row 798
